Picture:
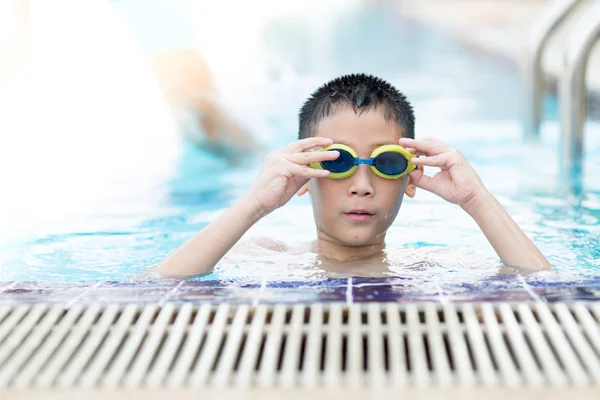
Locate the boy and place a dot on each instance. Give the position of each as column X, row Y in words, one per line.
column 353, row 208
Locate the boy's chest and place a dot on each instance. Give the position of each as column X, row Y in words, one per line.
column 377, row 267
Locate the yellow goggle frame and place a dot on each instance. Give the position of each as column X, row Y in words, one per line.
column 388, row 148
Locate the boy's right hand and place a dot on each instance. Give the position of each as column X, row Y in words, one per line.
column 285, row 171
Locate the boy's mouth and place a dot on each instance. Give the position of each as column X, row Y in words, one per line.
column 359, row 215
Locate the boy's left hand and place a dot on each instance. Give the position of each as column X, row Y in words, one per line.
column 457, row 182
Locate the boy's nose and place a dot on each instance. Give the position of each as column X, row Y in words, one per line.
column 361, row 182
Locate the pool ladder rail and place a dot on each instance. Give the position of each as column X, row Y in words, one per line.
column 572, row 89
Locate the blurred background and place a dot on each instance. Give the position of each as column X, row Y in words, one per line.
column 126, row 125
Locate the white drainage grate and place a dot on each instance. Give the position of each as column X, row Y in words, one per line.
column 319, row 345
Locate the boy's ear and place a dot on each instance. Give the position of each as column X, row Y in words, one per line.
column 303, row 190
column 411, row 188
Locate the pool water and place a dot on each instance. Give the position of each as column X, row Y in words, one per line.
column 470, row 100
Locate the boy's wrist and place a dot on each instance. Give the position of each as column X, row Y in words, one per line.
column 478, row 203
column 252, row 207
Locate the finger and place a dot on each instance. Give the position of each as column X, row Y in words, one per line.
column 430, row 146
column 308, row 157
column 426, row 146
column 307, row 172
column 432, row 139
column 441, row 160
column 421, row 180
column 303, row 190
column 412, row 151
column 307, row 144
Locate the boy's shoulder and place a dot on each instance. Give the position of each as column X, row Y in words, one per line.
column 269, row 243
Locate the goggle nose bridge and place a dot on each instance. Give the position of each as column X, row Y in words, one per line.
column 368, row 161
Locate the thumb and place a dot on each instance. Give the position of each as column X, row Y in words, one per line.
column 302, row 191
column 421, row 180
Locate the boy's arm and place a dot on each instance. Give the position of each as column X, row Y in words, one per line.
column 510, row 242
column 459, row 183
column 200, row 253
column 283, row 173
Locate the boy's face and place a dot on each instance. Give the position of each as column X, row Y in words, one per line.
column 334, row 200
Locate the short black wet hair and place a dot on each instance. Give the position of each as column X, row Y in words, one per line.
column 361, row 92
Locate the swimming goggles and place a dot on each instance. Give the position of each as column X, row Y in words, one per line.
column 390, row 161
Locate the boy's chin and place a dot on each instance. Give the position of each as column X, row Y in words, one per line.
column 360, row 241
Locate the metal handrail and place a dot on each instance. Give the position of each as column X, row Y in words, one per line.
column 573, row 93
column 550, row 18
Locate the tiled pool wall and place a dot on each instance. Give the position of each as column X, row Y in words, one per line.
column 347, row 290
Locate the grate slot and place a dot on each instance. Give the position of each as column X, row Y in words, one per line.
column 590, row 327
column 176, row 334
column 21, row 332
column 281, row 354
column 33, row 341
column 292, row 353
column 261, row 352
column 506, row 364
column 540, row 346
column 4, row 311
column 396, row 352
column 584, row 351
column 130, row 346
column 563, row 347
column 355, row 354
column 246, row 371
column 479, row 350
column 386, row 351
column 154, row 337
column 8, row 325
column 190, row 348
column 375, row 347
column 71, row 344
column 312, row 351
column 48, row 348
column 233, row 347
column 302, row 352
column 595, row 311
column 523, row 353
column 207, row 357
column 490, row 352
column 115, row 337
column 271, row 356
column 217, row 357
column 86, row 352
column 440, row 365
column 417, row 357
column 458, row 346
column 332, row 376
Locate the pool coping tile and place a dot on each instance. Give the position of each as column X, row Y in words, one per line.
column 346, row 290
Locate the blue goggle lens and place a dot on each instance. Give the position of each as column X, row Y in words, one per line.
column 390, row 163
column 341, row 164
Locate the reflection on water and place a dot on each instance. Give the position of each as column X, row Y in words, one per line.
column 460, row 97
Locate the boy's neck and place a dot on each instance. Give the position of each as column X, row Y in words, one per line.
column 338, row 252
